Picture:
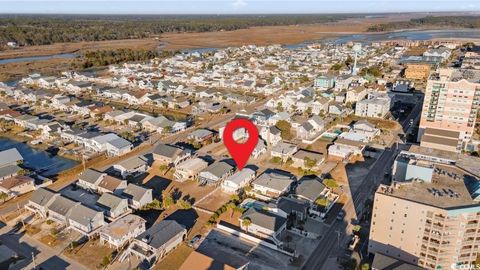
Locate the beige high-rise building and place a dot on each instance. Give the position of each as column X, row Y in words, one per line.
column 449, row 113
column 433, row 222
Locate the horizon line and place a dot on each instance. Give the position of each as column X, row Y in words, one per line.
column 252, row 13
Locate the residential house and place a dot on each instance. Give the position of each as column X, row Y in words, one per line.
column 132, row 167
column 263, row 224
column 17, row 185
column 137, row 196
column 84, row 220
column 170, row 155
column 367, row 129
column 271, row 134
column 284, row 150
column 157, row 241
column 307, row 159
column 112, row 205
column 122, row 231
column 238, row 180
column 189, row 169
column 259, row 149
column 60, row 208
column 310, row 189
column 287, row 206
column 8, row 163
column 90, row 179
column 344, row 148
column 40, row 200
column 273, row 183
column 110, row 184
column 324, row 82
column 200, row 135
column 356, row 94
column 215, row 173
column 337, row 108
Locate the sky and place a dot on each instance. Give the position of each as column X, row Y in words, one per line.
column 232, row 6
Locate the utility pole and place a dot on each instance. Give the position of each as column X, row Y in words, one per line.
column 34, row 263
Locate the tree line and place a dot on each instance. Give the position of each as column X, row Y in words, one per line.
column 43, row 30
column 436, row 21
column 107, row 57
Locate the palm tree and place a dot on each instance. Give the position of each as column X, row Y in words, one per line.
column 231, row 206
column 246, row 222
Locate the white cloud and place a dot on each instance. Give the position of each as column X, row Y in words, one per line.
column 239, row 3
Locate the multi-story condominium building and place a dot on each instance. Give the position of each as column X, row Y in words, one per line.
column 432, row 217
column 450, row 109
column 377, row 104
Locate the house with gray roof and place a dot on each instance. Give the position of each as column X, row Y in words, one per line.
column 272, row 135
column 310, row 188
column 215, row 173
column 90, row 179
column 8, row 163
column 10, row 157
column 113, row 206
column 118, row 147
column 200, row 135
column 307, row 159
column 273, row 183
column 238, row 180
column 60, row 208
column 156, row 242
column 137, row 196
column 170, row 154
column 40, row 200
column 264, row 224
column 85, row 220
column 287, row 206
column 132, row 167
column 284, row 150
column 8, row 171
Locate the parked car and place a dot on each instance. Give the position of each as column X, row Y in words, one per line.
column 194, row 240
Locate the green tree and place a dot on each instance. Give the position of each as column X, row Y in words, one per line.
column 231, row 207
column 309, row 163
column 184, row 204
column 330, row 183
column 167, row 199
column 155, row 204
column 246, row 222
column 106, row 261
column 322, row 201
column 285, row 129
column 167, row 129
column 3, row 196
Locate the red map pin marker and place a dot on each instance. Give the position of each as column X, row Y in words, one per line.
column 240, row 152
